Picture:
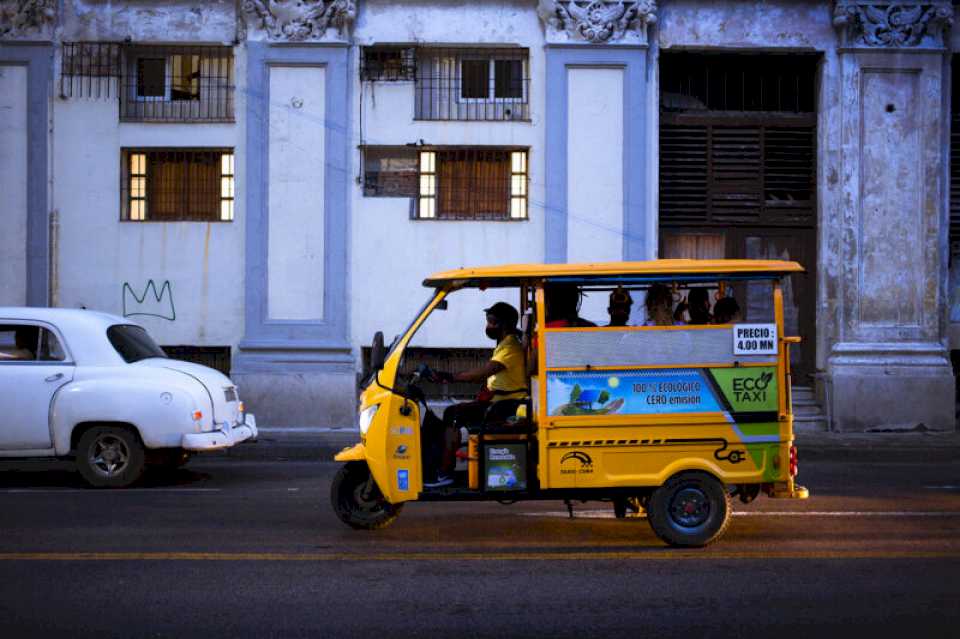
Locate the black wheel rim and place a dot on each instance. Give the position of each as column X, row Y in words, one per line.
column 689, row 507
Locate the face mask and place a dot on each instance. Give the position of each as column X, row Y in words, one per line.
column 493, row 333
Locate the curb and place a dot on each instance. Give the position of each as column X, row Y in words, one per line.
column 321, row 444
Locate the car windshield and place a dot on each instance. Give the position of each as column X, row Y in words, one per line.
column 133, row 343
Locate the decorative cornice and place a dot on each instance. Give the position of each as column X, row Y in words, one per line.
column 597, row 21
column 301, row 20
column 893, row 25
column 20, row 17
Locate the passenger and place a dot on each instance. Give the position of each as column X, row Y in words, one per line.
column 505, row 377
column 726, row 311
column 25, row 339
column 659, row 305
column 563, row 306
column 697, row 305
column 619, row 308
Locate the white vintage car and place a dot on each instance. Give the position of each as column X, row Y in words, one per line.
column 95, row 387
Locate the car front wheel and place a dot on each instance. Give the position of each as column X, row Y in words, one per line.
column 110, row 457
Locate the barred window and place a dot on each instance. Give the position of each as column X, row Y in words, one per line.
column 472, row 84
column 154, row 83
column 388, row 64
column 390, row 171
column 177, row 84
column 473, row 184
column 174, row 185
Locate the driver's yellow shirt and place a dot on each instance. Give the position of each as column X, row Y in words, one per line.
column 513, row 377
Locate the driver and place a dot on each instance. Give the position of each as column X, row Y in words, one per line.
column 505, row 378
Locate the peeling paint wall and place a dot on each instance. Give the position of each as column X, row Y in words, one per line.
column 211, row 21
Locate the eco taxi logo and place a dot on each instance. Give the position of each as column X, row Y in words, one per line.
column 747, row 389
column 752, row 389
column 584, row 467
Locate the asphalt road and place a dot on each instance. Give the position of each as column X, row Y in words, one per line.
column 228, row 548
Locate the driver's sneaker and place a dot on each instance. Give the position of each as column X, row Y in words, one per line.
column 440, row 481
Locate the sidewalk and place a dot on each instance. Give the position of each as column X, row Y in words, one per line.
column 321, row 444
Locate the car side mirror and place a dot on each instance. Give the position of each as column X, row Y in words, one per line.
column 378, row 352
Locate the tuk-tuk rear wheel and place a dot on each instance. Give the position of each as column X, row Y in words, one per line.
column 357, row 500
column 691, row 509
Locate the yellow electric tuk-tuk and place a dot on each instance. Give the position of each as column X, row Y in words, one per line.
column 670, row 419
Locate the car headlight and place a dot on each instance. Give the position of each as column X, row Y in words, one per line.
column 366, row 418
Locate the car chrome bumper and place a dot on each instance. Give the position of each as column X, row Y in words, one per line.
column 223, row 438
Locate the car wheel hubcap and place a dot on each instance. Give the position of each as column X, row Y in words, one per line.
column 690, row 507
column 109, row 455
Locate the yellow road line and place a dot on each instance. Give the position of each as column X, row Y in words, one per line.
column 648, row 555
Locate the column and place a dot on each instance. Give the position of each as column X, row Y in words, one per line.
column 889, row 366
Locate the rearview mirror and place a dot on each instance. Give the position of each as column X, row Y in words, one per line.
column 441, row 305
column 377, row 352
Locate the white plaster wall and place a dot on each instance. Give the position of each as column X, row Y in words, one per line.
column 295, row 249
column 391, row 254
column 98, row 253
column 13, row 185
column 595, row 165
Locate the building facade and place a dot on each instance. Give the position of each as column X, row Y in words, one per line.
column 265, row 183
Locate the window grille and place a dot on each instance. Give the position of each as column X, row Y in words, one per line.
column 89, row 69
column 737, row 140
column 390, row 171
column 163, row 84
column 156, row 83
column 488, row 84
column 173, row 185
column 473, row 184
column 388, row 64
column 215, row 357
column 735, row 82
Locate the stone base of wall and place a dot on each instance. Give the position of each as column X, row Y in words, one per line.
column 901, row 393
column 299, row 399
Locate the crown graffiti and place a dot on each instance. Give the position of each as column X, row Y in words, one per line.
column 151, row 303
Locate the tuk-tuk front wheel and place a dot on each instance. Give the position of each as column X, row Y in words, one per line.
column 357, row 499
column 690, row 509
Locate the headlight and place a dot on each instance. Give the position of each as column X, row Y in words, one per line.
column 366, row 418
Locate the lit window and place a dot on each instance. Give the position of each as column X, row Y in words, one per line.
column 473, row 184
column 172, row 185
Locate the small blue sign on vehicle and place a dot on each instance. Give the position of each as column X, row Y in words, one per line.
column 403, row 479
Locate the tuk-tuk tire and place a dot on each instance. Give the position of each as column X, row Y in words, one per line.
column 376, row 514
column 691, row 487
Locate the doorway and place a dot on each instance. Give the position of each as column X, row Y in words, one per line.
column 738, row 173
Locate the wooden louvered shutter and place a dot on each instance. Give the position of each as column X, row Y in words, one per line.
column 717, row 173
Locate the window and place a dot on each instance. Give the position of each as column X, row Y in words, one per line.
column 472, row 84
column 133, row 343
column 29, row 343
column 170, row 185
column 473, row 184
column 388, row 64
column 177, row 84
column 390, row 171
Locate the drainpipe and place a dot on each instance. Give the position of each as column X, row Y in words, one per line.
column 54, row 258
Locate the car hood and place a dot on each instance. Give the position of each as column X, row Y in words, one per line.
column 220, row 389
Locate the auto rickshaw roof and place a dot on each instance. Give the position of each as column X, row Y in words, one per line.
column 617, row 272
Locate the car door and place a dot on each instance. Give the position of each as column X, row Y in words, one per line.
column 34, row 365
